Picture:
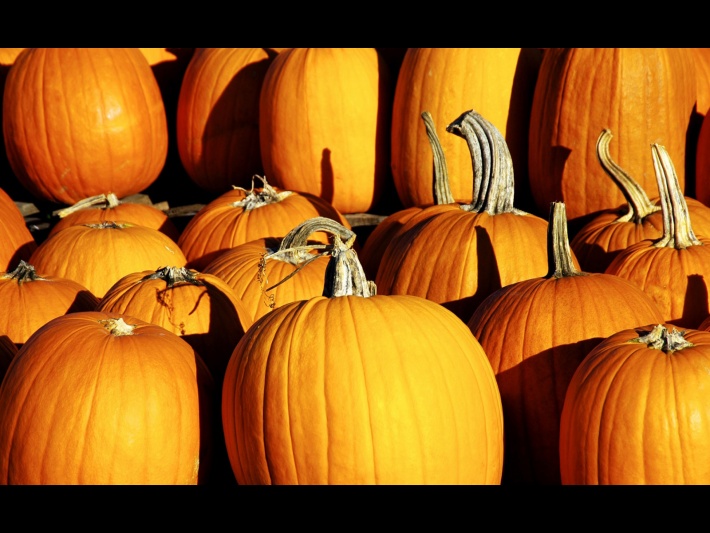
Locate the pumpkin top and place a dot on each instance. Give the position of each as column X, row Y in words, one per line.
column 659, row 338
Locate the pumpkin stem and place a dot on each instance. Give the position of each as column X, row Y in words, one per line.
column 677, row 230
column 117, row 326
column 23, row 272
column 344, row 273
column 493, row 179
column 559, row 254
column 441, row 188
column 109, row 224
column 639, row 205
column 110, row 199
column 256, row 198
column 174, row 275
column 660, row 338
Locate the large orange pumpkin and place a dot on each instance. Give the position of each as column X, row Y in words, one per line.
column 644, row 95
column 79, row 122
column 637, row 410
column 357, row 388
column 218, row 116
column 324, row 124
column 496, row 82
column 104, row 399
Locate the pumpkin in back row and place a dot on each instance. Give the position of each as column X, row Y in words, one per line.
column 78, row 122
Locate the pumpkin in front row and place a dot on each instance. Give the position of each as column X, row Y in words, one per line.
column 357, row 388
column 105, row 399
column 637, row 410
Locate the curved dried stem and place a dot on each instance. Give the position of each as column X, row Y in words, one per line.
column 640, row 206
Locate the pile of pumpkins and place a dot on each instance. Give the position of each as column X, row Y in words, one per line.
column 530, row 307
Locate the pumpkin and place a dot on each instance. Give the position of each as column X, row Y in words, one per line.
column 497, row 82
column 101, row 399
column 535, row 333
column 672, row 269
column 16, row 240
column 636, row 411
column 98, row 255
column 355, row 388
column 239, row 215
column 612, row 230
column 324, row 124
column 262, row 272
column 457, row 254
column 647, row 93
column 107, row 207
column 199, row 307
column 31, row 300
column 218, row 116
column 78, row 122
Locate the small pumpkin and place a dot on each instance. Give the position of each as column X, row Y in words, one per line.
column 107, row 207
column 239, row 215
column 98, row 255
column 31, row 300
column 609, row 231
column 672, row 269
column 353, row 388
column 104, row 399
column 199, row 307
column 262, row 272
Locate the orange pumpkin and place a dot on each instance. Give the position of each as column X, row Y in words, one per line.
column 324, row 124
column 636, row 413
column 31, row 300
column 102, row 399
column 609, row 231
column 240, row 216
column 457, row 254
column 262, row 284
column 79, row 122
column 357, row 388
column 646, row 94
column 199, row 307
column 98, row 255
column 674, row 268
column 16, row 240
column 218, row 116
column 535, row 333
column 496, row 82
column 107, row 207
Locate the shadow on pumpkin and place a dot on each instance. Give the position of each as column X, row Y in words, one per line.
column 533, row 393
column 695, row 305
column 487, row 273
